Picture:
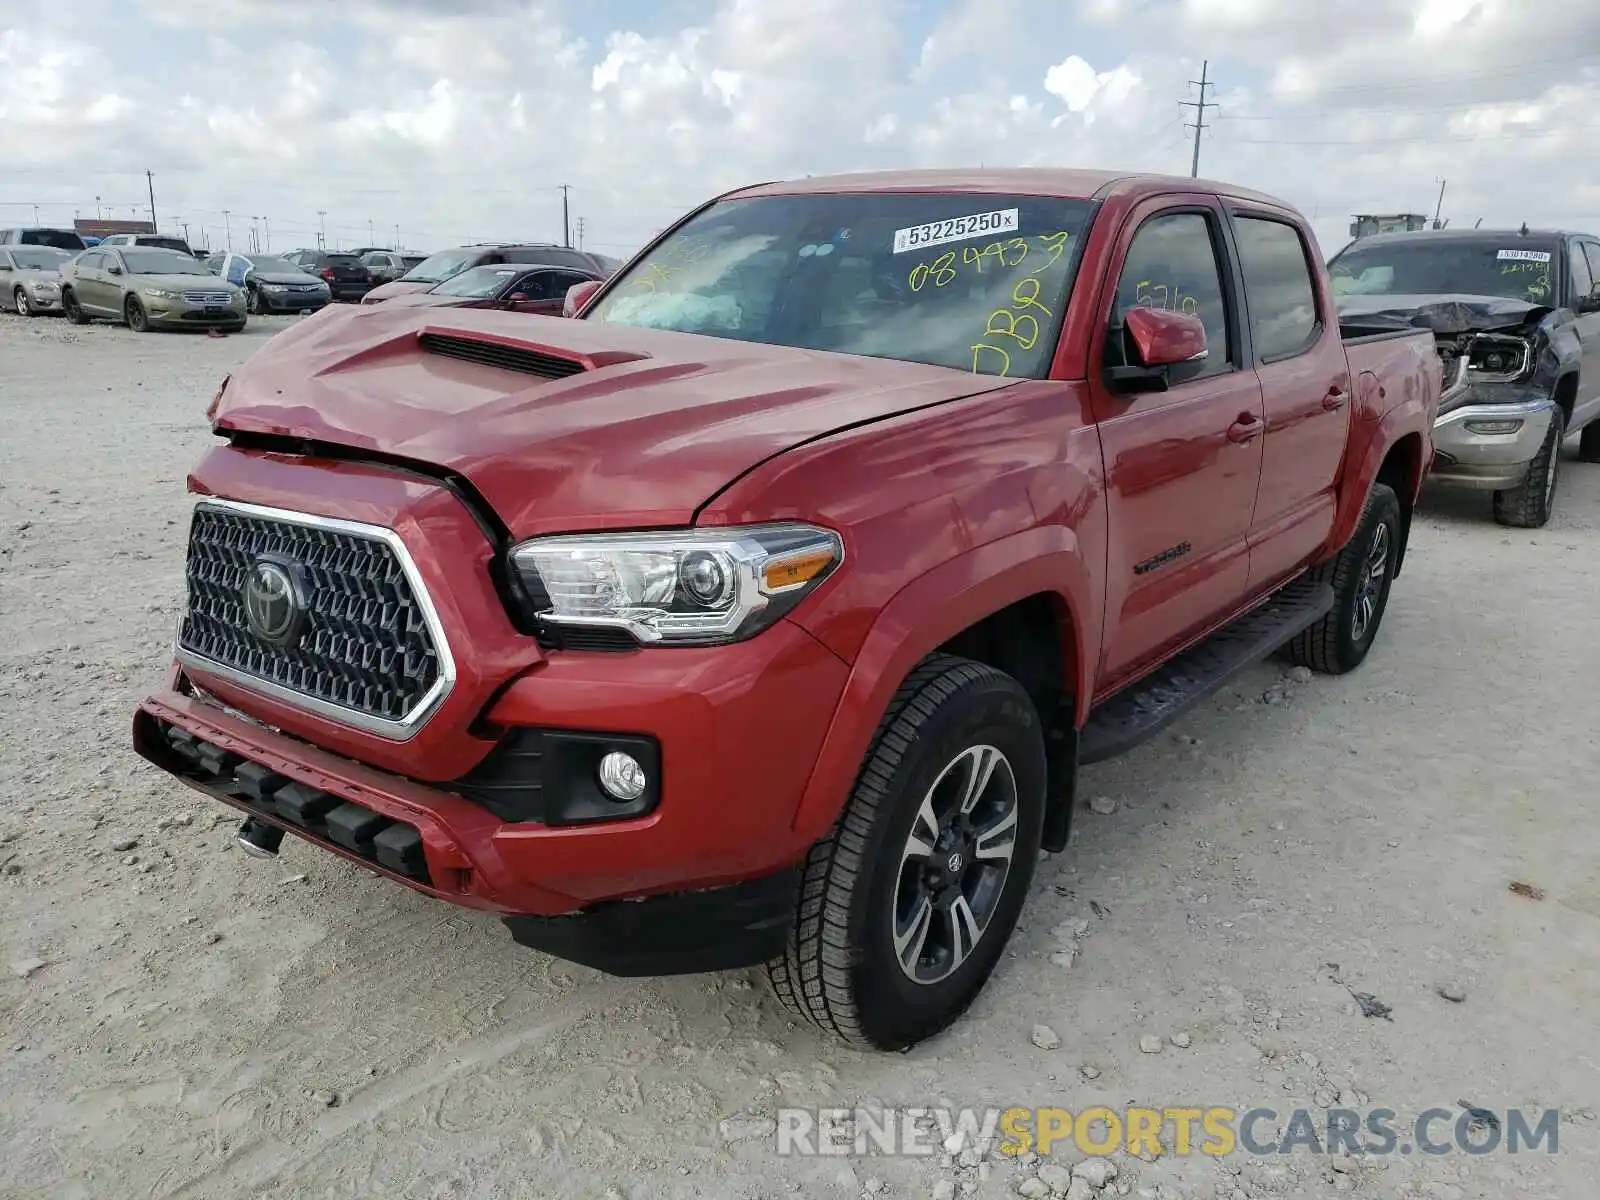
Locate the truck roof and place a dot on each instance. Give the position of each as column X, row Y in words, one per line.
column 1509, row 236
column 1034, row 181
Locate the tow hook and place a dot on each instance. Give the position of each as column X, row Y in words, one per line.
column 259, row 840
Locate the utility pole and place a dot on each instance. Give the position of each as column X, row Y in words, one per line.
column 322, row 229
column 397, row 237
column 580, row 233
column 1439, row 207
column 566, row 225
column 227, row 229
column 1199, row 107
column 97, row 215
column 184, row 225
column 150, row 182
column 35, row 214
column 371, row 237
column 266, row 228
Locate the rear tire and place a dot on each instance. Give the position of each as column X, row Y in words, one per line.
column 133, row 312
column 906, row 906
column 1589, row 443
column 1530, row 503
column 74, row 310
column 1361, row 575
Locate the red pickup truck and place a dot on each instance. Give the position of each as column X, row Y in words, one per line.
column 766, row 611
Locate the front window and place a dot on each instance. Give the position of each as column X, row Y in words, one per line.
column 479, row 283
column 39, row 258
column 140, row 260
column 975, row 282
column 1509, row 268
column 441, row 266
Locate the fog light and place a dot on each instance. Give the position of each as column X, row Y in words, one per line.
column 1492, row 426
column 622, row 776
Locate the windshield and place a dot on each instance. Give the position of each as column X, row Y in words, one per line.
column 441, row 266
column 38, row 258
column 1510, row 268
column 479, row 283
column 974, row 282
column 142, row 260
column 274, row 266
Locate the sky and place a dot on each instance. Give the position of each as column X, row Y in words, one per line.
column 431, row 123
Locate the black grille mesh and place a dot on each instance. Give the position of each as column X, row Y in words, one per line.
column 366, row 645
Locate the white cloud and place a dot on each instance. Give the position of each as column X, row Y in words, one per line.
column 459, row 119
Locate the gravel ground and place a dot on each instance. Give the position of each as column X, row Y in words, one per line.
column 181, row 1020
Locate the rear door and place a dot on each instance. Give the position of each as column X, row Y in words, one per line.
column 1584, row 256
column 8, row 280
column 1306, row 392
column 90, row 282
column 1182, row 465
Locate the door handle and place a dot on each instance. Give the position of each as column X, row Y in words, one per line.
column 1246, row 429
column 1334, row 400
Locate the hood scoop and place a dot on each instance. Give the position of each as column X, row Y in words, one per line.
column 521, row 359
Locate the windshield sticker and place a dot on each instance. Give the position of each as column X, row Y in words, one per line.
column 956, row 229
column 1538, row 256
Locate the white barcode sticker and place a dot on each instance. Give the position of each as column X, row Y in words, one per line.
column 956, row 229
column 1524, row 255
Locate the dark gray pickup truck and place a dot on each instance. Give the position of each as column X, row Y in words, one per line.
column 1517, row 319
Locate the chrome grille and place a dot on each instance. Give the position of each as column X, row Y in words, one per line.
column 206, row 297
column 370, row 651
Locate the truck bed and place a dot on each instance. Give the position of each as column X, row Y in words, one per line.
column 1393, row 355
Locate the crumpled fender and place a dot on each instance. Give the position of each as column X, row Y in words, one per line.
column 929, row 611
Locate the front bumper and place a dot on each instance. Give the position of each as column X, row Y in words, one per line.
column 295, row 302
column 1489, row 445
column 175, row 314
column 50, row 303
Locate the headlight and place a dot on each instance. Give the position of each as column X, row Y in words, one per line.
column 1498, row 359
column 42, row 285
column 159, row 293
column 696, row 587
column 272, row 287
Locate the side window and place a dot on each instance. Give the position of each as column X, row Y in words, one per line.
column 1278, row 289
column 1582, row 277
column 92, row 261
column 536, row 286
column 5, row 260
column 1592, row 251
column 1172, row 264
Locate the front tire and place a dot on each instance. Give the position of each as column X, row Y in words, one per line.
column 907, row 905
column 133, row 312
column 1530, row 503
column 20, row 299
column 258, row 302
column 1361, row 574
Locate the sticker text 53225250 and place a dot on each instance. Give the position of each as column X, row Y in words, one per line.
column 956, row 229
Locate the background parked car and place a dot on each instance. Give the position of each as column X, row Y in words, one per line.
column 149, row 288
column 62, row 239
column 164, row 240
column 515, row 286
column 447, row 264
column 276, row 285
column 30, row 278
column 345, row 275
column 386, row 266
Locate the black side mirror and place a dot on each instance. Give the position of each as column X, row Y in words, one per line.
column 113, row 269
column 1588, row 304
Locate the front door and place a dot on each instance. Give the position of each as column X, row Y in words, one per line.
column 1306, row 390
column 1181, row 465
column 1587, row 252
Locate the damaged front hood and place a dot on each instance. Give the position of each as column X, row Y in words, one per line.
column 1445, row 314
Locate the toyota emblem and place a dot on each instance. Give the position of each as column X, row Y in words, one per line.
column 272, row 604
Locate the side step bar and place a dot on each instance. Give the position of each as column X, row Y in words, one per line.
column 1151, row 704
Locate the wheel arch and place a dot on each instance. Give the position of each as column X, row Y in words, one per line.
column 1021, row 604
column 1565, row 394
column 1402, row 470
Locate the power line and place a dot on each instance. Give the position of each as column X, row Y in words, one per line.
column 1538, row 68
column 1199, row 107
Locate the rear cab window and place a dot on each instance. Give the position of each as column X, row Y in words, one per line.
column 976, row 282
column 1278, row 288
